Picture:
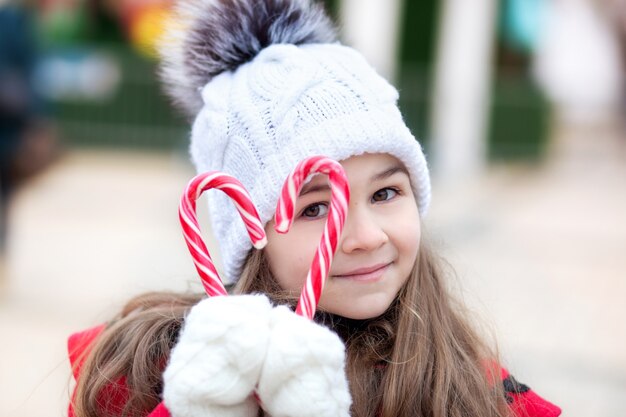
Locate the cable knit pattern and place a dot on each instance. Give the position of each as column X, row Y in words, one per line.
column 230, row 345
column 291, row 102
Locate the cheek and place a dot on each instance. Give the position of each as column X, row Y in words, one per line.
column 290, row 260
column 414, row 239
column 409, row 238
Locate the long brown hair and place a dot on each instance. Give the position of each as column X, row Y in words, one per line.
column 420, row 358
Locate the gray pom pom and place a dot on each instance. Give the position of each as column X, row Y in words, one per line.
column 208, row 37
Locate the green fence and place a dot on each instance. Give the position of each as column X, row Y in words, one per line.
column 134, row 113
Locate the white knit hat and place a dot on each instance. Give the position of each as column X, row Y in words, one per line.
column 287, row 102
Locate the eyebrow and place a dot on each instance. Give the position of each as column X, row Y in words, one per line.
column 389, row 172
column 308, row 188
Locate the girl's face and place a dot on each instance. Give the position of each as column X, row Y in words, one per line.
column 378, row 246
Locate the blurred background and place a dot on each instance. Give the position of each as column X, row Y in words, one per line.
column 521, row 108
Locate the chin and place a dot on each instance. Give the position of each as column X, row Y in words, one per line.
column 363, row 312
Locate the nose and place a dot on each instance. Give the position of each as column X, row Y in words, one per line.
column 362, row 231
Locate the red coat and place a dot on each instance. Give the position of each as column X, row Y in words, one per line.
column 523, row 401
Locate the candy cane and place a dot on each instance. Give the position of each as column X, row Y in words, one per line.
column 285, row 212
column 191, row 229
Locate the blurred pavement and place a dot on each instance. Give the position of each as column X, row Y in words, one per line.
column 538, row 250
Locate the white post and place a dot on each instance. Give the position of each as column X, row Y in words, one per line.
column 372, row 27
column 462, row 87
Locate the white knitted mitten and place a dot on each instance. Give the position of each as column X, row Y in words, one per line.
column 303, row 374
column 230, row 345
column 216, row 364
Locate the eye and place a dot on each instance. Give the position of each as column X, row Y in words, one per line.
column 384, row 194
column 315, row 210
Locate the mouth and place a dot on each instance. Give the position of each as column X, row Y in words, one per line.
column 369, row 273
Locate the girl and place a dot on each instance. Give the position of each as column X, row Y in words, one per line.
column 268, row 85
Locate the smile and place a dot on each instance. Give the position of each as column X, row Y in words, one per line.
column 370, row 273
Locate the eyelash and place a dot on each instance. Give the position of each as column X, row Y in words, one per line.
column 319, row 204
column 393, row 189
column 325, row 205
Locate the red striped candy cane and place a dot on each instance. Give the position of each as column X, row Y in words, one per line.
column 285, row 212
column 191, row 229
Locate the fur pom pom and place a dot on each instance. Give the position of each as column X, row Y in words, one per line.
column 208, row 37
